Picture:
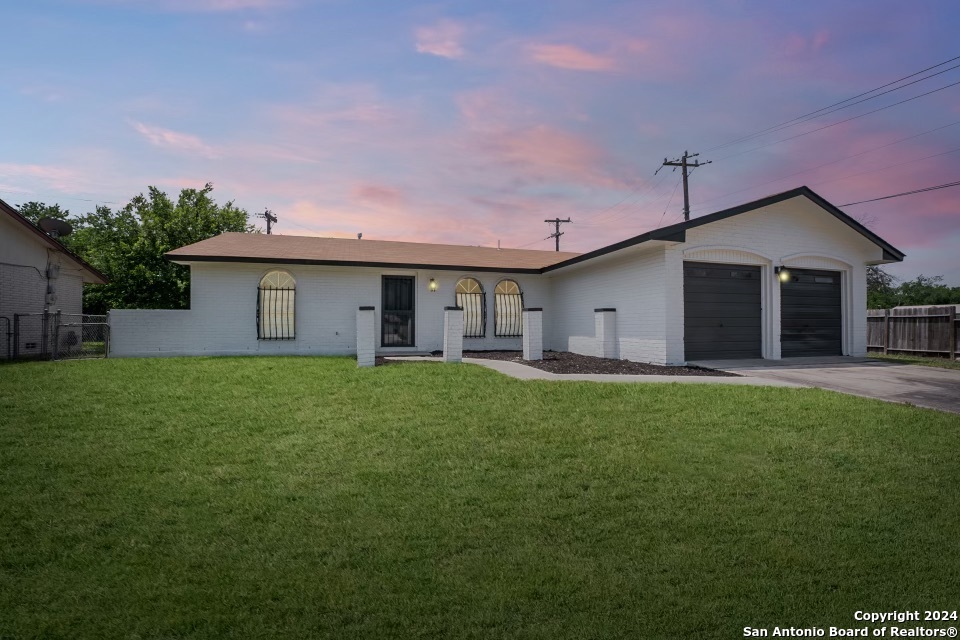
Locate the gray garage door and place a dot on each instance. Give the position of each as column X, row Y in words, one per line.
column 721, row 311
column 810, row 314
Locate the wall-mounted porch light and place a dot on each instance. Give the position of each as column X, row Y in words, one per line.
column 433, row 286
column 782, row 273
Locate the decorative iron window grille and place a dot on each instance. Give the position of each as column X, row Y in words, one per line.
column 276, row 307
column 508, row 310
column 472, row 299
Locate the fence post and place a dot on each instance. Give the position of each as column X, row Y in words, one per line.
column 44, row 329
column 886, row 330
column 366, row 337
column 452, row 334
column 55, row 351
column 952, row 333
column 533, row 333
column 16, row 335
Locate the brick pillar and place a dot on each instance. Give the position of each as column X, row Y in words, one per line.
column 452, row 334
column 533, row 334
column 605, row 321
column 366, row 337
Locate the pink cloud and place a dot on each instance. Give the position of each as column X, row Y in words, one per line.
column 175, row 140
column 796, row 44
column 442, row 39
column 565, row 56
column 378, row 195
column 49, row 176
column 202, row 6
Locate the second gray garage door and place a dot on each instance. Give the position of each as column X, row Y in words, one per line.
column 810, row 318
column 721, row 311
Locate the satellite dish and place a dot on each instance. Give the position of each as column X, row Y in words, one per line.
column 56, row 228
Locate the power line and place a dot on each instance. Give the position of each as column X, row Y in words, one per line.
column 612, row 217
column 683, row 163
column 623, row 215
column 826, row 164
column 799, row 135
column 556, row 222
column 634, row 191
column 673, row 193
column 835, row 104
column 906, row 193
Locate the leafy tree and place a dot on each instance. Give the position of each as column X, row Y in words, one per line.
column 880, row 288
column 927, row 290
column 922, row 290
column 128, row 245
column 36, row 211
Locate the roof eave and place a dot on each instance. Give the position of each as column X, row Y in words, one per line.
column 96, row 276
column 186, row 260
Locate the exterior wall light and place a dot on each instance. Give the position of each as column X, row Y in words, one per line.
column 433, row 286
column 782, row 273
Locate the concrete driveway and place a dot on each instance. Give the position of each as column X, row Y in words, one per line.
column 922, row 386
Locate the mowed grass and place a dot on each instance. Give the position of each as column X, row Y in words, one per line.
column 923, row 361
column 303, row 497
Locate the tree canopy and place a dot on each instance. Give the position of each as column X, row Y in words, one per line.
column 884, row 293
column 127, row 245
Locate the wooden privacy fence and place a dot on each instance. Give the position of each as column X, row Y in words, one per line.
column 930, row 330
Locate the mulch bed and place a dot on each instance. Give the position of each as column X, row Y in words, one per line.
column 563, row 362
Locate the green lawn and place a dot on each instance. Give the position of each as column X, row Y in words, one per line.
column 303, row 497
column 941, row 363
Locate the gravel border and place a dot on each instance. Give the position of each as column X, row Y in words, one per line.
column 564, row 362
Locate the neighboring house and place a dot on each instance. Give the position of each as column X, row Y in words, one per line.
column 777, row 277
column 37, row 273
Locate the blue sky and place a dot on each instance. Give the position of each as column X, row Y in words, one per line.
column 471, row 122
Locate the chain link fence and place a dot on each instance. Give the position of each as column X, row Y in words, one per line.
column 81, row 336
column 55, row 335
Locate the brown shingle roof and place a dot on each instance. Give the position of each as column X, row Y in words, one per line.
column 255, row 247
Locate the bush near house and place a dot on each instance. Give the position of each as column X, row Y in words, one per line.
column 303, row 497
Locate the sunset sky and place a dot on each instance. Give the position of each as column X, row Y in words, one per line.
column 471, row 122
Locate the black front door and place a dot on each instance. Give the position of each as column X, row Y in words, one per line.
column 397, row 327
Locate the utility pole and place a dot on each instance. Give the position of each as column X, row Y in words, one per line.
column 682, row 162
column 269, row 217
column 556, row 222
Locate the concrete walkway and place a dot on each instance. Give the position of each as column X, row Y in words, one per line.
column 929, row 387
column 524, row 372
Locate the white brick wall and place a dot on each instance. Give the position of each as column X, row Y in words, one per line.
column 23, row 283
column 222, row 316
column 644, row 283
column 632, row 284
column 794, row 233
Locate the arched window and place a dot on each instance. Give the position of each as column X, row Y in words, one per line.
column 470, row 298
column 508, row 310
column 276, row 304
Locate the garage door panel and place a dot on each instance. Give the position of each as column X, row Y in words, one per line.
column 813, row 323
column 709, row 336
column 721, row 311
column 711, row 321
column 811, row 314
column 718, row 286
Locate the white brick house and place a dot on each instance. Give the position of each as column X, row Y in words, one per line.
column 781, row 276
column 36, row 272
